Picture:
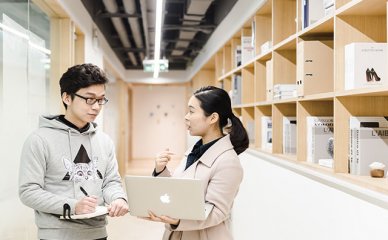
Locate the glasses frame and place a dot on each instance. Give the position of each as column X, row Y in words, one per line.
column 92, row 101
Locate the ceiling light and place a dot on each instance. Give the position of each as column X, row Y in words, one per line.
column 158, row 33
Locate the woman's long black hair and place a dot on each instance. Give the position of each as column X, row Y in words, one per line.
column 217, row 100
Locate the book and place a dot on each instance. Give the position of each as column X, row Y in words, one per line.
column 289, row 135
column 319, row 130
column 250, row 127
column 322, row 143
column 236, row 87
column 100, row 210
column 368, row 143
column 268, row 80
column 266, row 133
column 365, row 65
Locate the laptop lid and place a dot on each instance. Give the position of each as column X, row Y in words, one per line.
column 174, row 197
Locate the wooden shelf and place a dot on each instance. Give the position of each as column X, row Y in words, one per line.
column 278, row 26
column 363, row 7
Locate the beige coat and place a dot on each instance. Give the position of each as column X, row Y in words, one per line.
column 221, row 171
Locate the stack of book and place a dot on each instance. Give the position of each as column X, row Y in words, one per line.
column 284, row 91
column 368, row 143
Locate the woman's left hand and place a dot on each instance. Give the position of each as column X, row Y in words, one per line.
column 163, row 219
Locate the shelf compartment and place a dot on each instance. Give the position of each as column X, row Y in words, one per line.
column 362, row 7
column 284, row 14
column 284, row 66
column 344, row 108
column 248, row 83
column 306, row 109
column 261, row 111
column 354, row 29
column 321, row 29
column 248, row 120
column 278, row 112
column 263, row 29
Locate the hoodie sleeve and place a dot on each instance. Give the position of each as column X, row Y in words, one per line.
column 31, row 179
column 112, row 187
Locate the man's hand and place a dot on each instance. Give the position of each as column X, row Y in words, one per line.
column 86, row 205
column 117, row 208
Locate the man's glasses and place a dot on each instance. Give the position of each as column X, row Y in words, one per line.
column 91, row 101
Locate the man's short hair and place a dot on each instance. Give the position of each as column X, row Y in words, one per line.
column 81, row 76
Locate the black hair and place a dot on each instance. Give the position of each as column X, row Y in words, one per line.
column 81, row 76
column 217, row 100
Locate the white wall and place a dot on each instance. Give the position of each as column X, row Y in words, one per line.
column 277, row 203
column 158, row 120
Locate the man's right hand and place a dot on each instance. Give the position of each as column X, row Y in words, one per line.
column 86, row 205
column 162, row 159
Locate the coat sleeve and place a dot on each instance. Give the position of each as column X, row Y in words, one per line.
column 221, row 191
column 31, row 179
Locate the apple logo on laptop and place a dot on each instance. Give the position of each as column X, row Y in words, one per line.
column 165, row 198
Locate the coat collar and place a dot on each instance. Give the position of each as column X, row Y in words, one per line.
column 222, row 145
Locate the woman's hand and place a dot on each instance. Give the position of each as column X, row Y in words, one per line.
column 162, row 159
column 163, row 219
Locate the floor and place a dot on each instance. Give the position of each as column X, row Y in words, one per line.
column 129, row 227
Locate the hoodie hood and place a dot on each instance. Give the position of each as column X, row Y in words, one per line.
column 50, row 121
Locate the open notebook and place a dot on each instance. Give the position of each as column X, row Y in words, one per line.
column 100, row 210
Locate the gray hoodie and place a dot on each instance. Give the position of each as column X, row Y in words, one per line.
column 56, row 161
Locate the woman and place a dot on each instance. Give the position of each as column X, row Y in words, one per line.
column 213, row 159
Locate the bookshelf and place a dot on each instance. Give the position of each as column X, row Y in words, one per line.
column 278, row 32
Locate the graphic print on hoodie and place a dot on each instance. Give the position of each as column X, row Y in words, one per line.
column 82, row 168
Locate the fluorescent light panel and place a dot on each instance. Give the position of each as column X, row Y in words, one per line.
column 158, row 35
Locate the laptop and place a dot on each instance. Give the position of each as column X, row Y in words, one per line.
column 174, row 197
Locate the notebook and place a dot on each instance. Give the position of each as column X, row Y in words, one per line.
column 174, row 197
column 100, row 210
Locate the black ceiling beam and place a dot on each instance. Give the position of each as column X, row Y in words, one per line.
column 182, row 40
column 118, row 15
column 127, row 49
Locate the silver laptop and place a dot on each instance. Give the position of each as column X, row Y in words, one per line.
column 174, row 197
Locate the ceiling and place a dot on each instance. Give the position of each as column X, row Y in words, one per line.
column 128, row 26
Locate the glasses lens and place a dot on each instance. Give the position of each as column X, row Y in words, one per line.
column 91, row 101
column 102, row 101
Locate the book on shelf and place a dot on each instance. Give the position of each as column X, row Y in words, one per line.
column 265, row 47
column 365, row 65
column 368, row 143
column 312, row 78
column 236, row 89
column 284, row 91
column 319, row 138
column 312, row 11
column 237, row 56
column 289, row 135
column 268, row 80
column 266, row 133
column 247, row 50
column 329, row 7
column 250, row 127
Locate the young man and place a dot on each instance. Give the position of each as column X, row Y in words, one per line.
column 69, row 164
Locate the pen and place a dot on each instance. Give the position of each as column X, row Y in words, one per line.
column 83, row 190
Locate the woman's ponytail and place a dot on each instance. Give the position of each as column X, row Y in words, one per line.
column 217, row 100
column 238, row 135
